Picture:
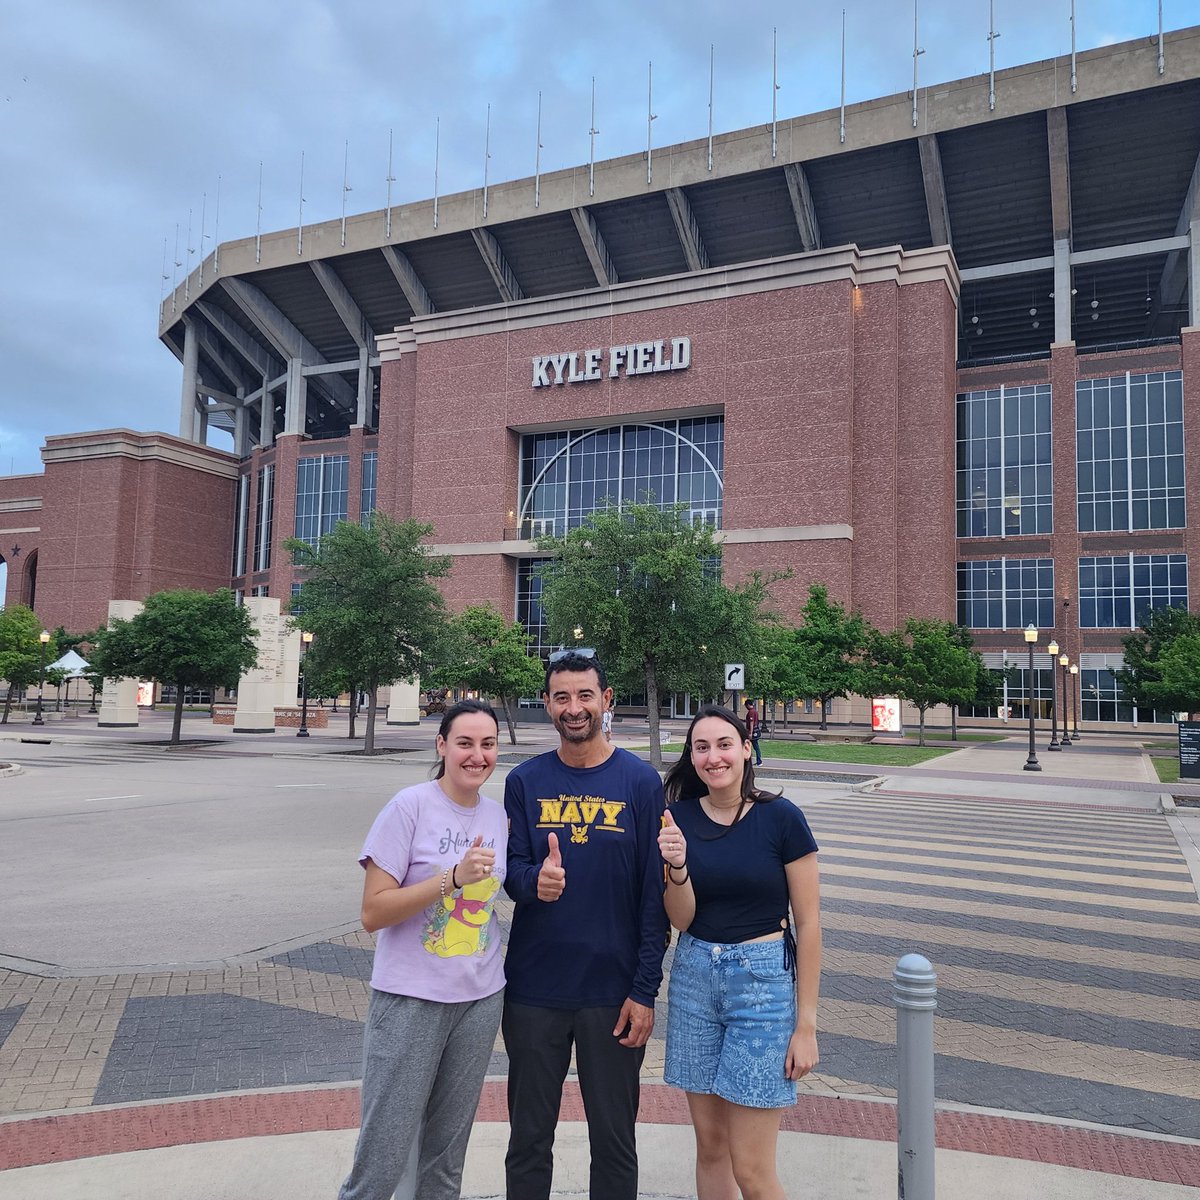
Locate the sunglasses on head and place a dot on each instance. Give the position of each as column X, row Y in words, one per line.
column 578, row 652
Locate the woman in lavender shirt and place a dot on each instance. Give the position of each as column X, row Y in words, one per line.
column 435, row 860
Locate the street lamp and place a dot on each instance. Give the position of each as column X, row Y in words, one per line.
column 1075, row 701
column 1031, row 637
column 44, row 639
column 1064, row 662
column 306, row 639
column 1052, row 650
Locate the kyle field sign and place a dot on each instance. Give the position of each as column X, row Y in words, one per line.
column 637, row 358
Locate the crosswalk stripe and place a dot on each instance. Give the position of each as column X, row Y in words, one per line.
column 1063, row 952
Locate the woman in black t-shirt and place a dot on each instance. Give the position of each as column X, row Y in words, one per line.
column 741, row 1022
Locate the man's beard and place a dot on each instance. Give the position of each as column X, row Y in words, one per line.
column 584, row 734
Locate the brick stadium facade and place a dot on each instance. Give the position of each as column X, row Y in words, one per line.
column 841, row 411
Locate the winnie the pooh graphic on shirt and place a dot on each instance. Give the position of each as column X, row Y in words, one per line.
column 458, row 925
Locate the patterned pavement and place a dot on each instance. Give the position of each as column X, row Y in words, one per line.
column 1066, row 941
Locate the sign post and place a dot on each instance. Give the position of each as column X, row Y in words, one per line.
column 735, row 681
column 1189, row 749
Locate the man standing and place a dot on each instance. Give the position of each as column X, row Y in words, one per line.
column 588, row 936
column 754, row 730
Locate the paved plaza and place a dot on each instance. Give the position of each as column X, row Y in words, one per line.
column 183, row 924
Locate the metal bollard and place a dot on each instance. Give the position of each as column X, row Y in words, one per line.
column 914, row 987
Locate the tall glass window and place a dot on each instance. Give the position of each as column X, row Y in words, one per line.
column 1017, row 696
column 529, row 605
column 1117, row 591
column 1129, row 435
column 1006, row 593
column 264, row 519
column 241, row 517
column 569, row 474
column 1005, row 479
column 1102, row 700
column 367, row 494
column 321, row 492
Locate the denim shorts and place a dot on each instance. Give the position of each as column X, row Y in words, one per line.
column 731, row 1015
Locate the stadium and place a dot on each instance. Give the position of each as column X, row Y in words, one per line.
column 939, row 352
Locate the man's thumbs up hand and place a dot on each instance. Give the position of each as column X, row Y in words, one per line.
column 552, row 878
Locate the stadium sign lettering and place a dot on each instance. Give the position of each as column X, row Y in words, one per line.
column 638, row 358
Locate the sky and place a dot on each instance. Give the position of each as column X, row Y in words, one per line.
column 120, row 122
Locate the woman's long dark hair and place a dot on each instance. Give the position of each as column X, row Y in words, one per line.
column 451, row 715
column 682, row 782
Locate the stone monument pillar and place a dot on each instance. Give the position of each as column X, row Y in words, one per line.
column 404, row 703
column 259, row 688
column 118, row 701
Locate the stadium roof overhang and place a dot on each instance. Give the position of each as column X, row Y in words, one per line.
column 1110, row 171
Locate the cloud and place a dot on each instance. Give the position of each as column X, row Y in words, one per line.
column 118, row 119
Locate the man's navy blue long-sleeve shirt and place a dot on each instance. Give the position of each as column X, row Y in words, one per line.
column 603, row 940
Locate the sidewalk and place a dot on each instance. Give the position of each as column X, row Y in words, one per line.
column 837, row 1149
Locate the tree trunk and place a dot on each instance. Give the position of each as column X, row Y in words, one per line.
column 177, row 723
column 954, row 722
column 369, row 740
column 7, row 705
column 353, row 708
column 507, row 704
column 824, row 712
column 656, row 759
column 921, row 727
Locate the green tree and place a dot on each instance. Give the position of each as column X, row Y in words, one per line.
column 1145, row 646
column 185, row 638
column 1178, row 669
column 925, row 663
column 20, row 651
column 327, row 677
column 55, row 677
column 827, row 650
column 489, row 655
column 642, row 585
column 769, row 671
column 369, row 598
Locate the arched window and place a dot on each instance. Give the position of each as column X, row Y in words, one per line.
column 568, row 474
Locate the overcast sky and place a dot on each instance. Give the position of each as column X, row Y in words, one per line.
column 118, row 117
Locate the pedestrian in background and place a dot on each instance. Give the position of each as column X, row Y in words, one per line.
column 435, row 860
column 742, row 888
column 754, row 729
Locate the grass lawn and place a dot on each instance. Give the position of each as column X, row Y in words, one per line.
column 845, row 752
column 1167, row 768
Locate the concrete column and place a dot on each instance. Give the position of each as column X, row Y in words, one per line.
column 404, row 703
column 191, row 381
column 1194, row 273
column 258, row 689
column 118, row 702
column 1062, row 291
column 297, row 397
column 241, row 427
column 266, row 417
column 201, row 426
column 364, row 389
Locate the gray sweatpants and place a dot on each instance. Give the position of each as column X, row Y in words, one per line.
column 423, row 1069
